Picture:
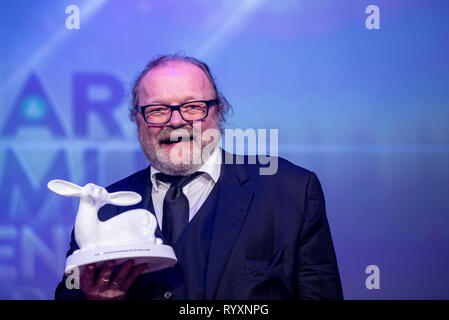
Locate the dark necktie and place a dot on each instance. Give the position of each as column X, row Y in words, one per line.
column 176, row 206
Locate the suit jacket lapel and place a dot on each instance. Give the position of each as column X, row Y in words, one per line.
column 232, row 205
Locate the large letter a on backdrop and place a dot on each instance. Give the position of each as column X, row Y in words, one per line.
column 32, row 108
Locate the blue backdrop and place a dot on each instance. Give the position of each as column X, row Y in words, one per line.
column 366, row 109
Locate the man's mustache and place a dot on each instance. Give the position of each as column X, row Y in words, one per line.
column 182, row 132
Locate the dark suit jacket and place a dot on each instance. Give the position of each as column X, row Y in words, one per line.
column 270, row 238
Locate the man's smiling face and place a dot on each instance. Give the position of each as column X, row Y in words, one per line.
column 174, row 83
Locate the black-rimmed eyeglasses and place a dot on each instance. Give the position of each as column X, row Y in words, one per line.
column 189, row 111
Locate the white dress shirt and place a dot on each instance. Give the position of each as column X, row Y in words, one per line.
column 196, row 191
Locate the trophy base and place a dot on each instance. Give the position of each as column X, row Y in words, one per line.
column 157, row 256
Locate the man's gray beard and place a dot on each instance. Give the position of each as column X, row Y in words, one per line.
column 158, row 160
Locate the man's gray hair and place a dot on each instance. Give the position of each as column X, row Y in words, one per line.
column 223, row 106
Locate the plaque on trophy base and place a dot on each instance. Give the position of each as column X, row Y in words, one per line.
column 157, row 256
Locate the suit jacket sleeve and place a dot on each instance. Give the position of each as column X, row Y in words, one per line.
column 317, row 271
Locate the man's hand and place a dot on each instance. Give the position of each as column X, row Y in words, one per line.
column 105, row 288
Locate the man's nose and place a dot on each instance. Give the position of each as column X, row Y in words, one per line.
column 176, row 120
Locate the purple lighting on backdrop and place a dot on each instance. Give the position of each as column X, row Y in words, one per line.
column 365, row 109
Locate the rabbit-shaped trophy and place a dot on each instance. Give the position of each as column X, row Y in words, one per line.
column 129, row 235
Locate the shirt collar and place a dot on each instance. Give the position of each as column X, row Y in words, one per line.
column 212, row 167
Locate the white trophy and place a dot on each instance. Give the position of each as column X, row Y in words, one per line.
column 128, row 235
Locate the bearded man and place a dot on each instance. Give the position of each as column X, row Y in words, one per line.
column 237, row 234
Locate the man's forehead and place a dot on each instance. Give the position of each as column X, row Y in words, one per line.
column 176, row 69
column 175, row 77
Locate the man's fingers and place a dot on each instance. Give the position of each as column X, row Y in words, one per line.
column 137, row 270
column 105, row 275
column 87, row 278
column 121, row 282
column 122, row 274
